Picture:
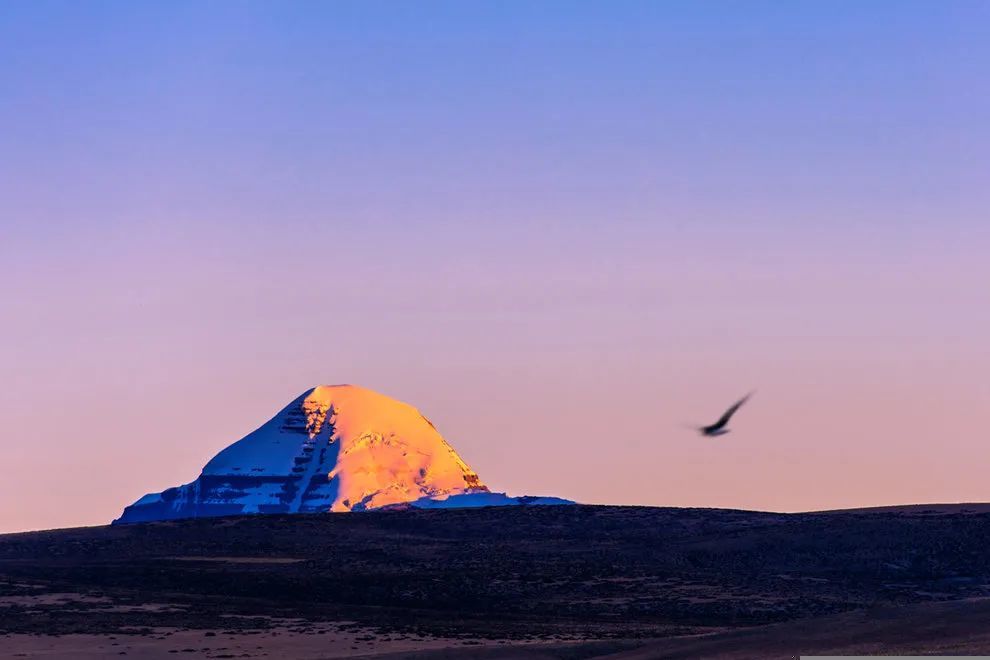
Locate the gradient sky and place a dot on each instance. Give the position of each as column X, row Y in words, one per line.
column 561, row 230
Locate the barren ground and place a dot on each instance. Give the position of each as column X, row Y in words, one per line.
column 540, row 582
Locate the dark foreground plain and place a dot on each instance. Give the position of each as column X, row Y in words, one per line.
column 538, row 582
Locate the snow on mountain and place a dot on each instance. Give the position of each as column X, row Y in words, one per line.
column 475, row 499
column 335, row 448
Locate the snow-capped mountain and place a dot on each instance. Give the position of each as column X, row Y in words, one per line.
column 334, row 448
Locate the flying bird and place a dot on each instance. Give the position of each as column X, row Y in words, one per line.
column 718, row 428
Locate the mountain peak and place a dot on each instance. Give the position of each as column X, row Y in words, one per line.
column 333, row 448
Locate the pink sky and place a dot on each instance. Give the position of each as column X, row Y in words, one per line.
column 560, row 245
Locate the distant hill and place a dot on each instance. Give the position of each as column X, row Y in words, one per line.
column 921, row 509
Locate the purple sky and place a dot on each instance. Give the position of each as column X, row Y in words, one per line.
column 561, row 230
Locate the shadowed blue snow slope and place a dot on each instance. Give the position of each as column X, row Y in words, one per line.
column 476, row 500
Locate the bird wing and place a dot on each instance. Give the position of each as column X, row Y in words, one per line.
column 724, row 419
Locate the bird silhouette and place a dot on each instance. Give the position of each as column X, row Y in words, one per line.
column 718, row 428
